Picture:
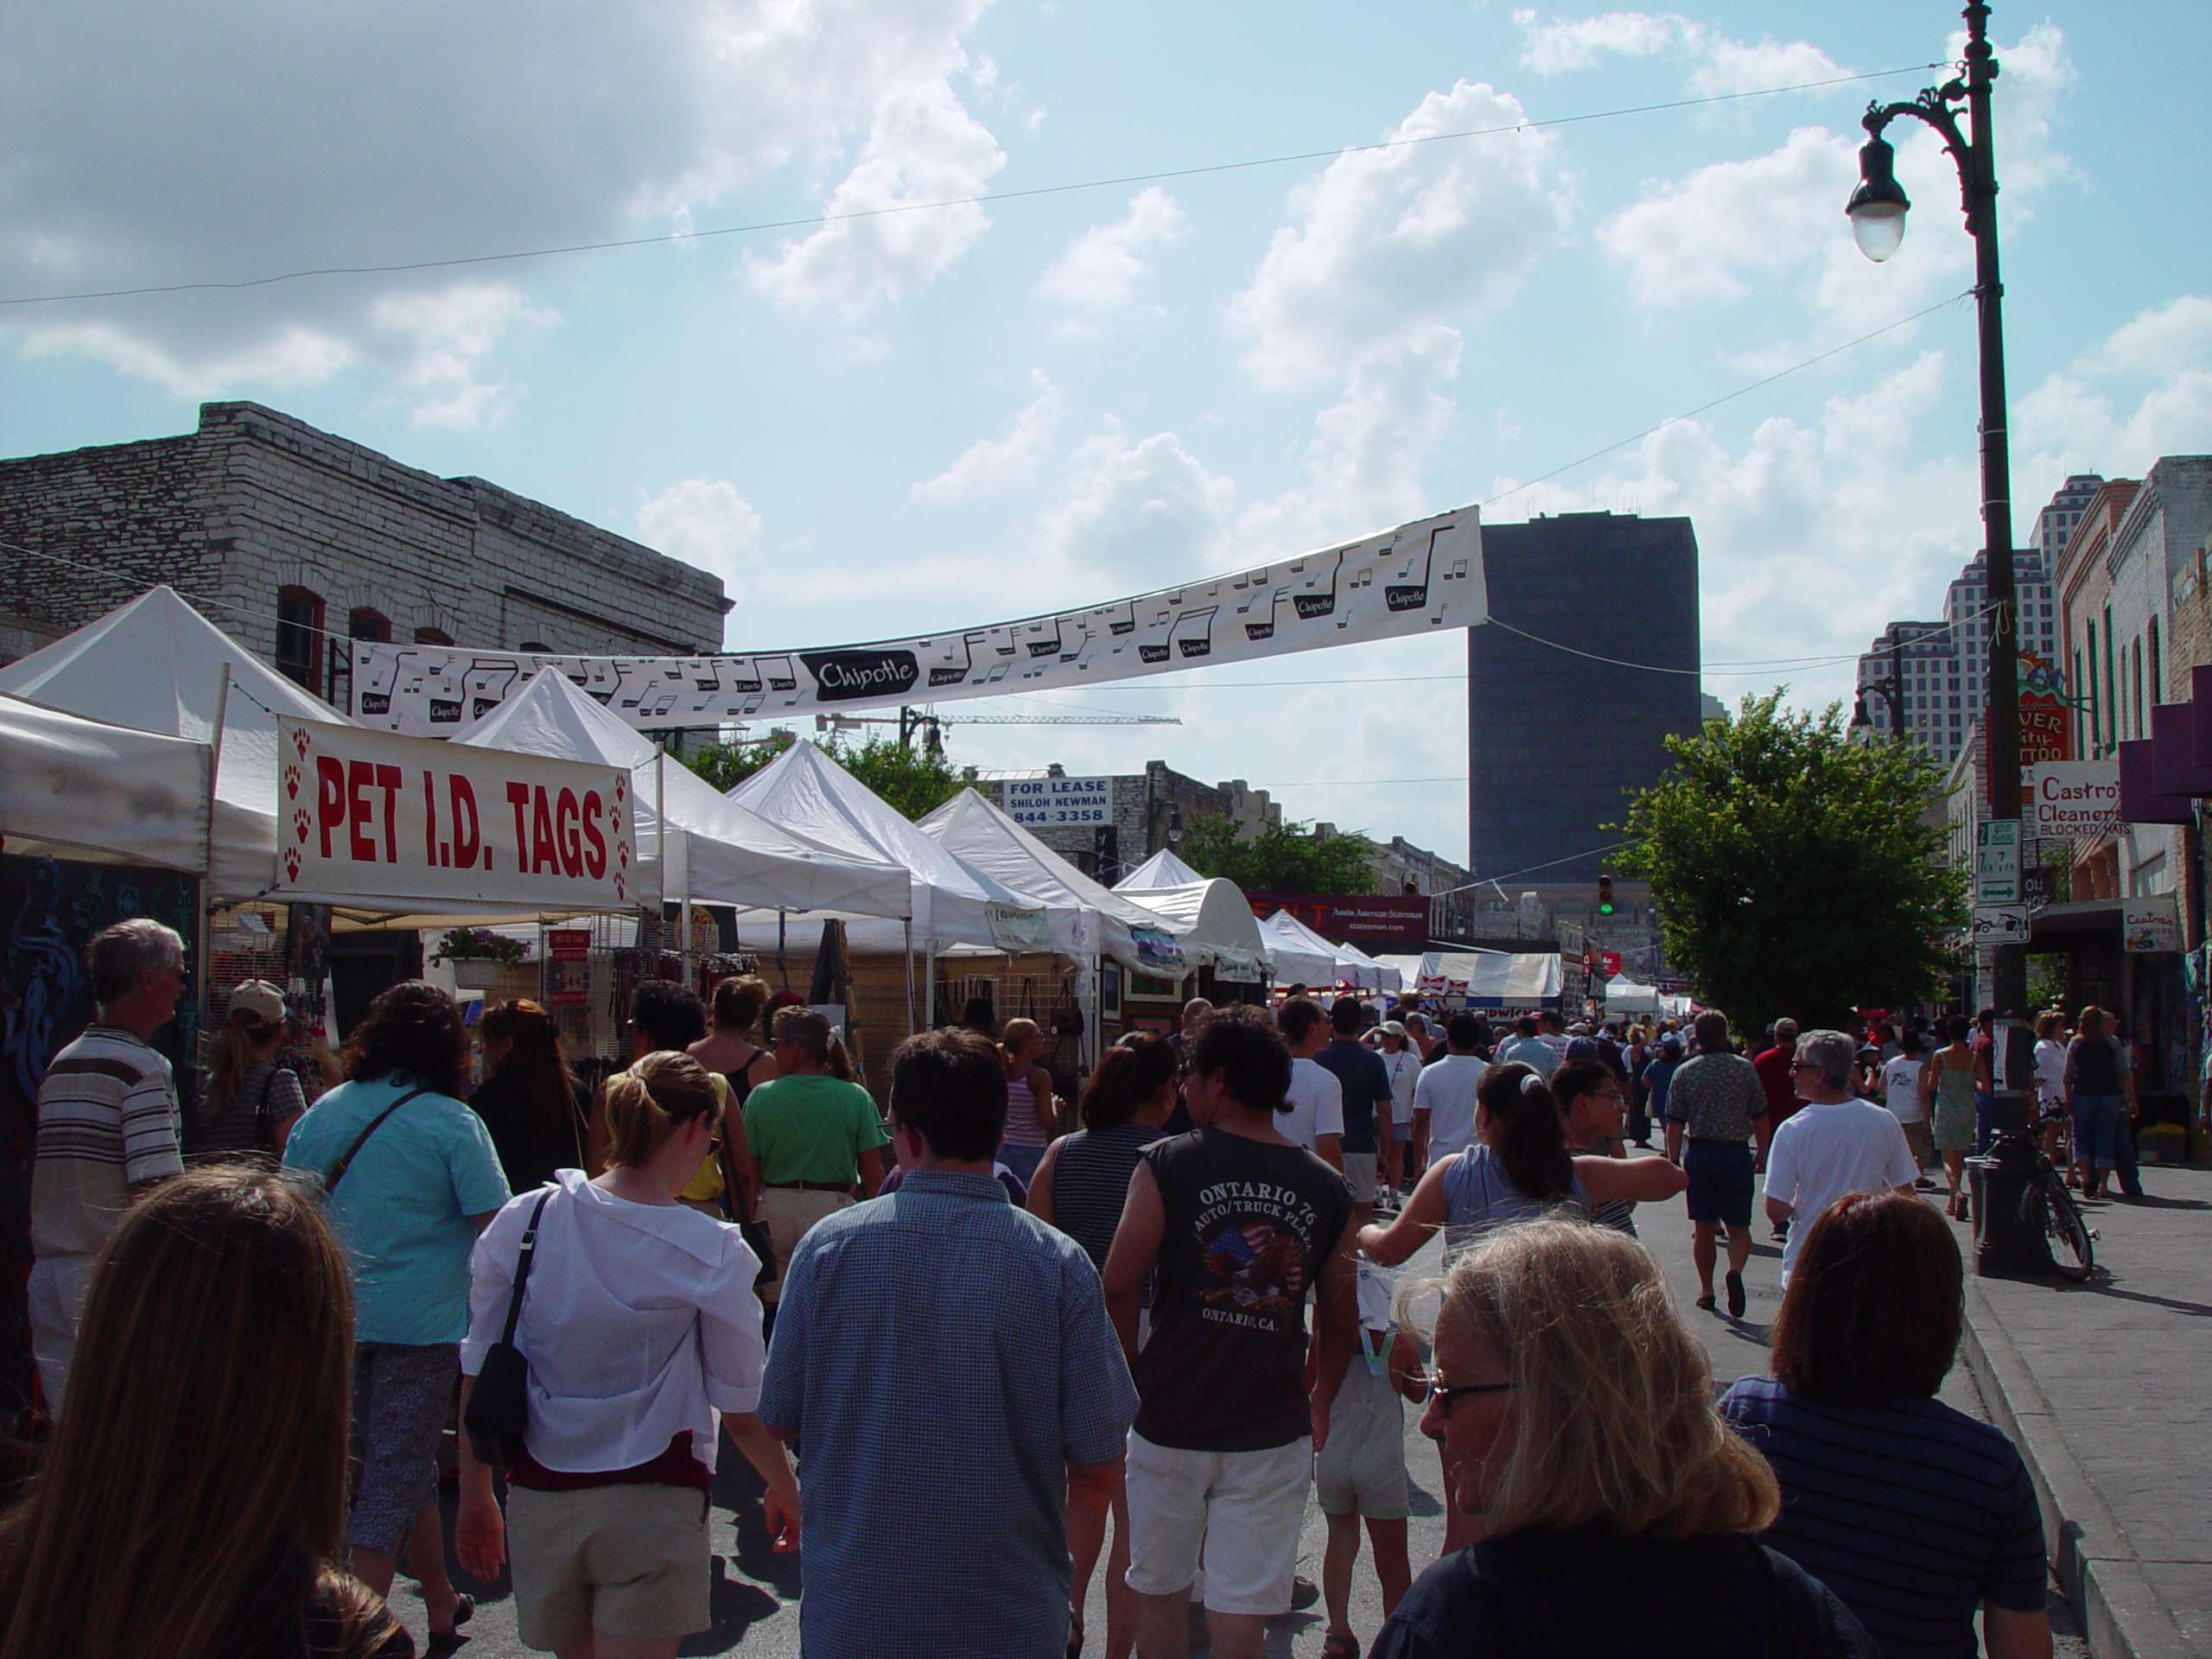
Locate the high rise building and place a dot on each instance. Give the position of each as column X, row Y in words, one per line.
column 1937, row 669
column 1592, row 661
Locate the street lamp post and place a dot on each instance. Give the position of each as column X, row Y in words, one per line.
column 1890, row 690
column 1878, row 211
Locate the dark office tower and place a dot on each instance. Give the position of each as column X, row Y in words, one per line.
column 1557, row 739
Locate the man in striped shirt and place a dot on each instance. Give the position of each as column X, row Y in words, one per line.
column 107, row 1130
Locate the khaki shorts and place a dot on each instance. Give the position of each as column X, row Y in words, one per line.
column 1359, row 1175
column 1242, row 1511
column 789, row 1212
column 1922, row 1143
column 631, row 1560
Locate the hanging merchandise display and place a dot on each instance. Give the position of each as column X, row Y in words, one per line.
column 1419, row 578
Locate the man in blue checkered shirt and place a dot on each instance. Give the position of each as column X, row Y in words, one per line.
column 944, row 1364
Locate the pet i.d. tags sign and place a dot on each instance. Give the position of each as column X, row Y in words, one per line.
column 366, row 815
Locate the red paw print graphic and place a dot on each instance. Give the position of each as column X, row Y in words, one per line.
column 299, row 740
column 301, row 825
column 291, row 863
column 292, row 783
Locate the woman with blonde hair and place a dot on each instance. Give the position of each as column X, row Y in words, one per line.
column 192, row 1503
column 1032, row 1111
column 642, row 1335
column 1581, row 1432
column 252, row 1101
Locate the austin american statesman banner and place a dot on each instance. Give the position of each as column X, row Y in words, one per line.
column 1418, row 578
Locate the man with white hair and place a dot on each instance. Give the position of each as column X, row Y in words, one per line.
column 1835, row 1144
column 108, row 1130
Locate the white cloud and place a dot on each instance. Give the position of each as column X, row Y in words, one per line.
column 1102, row 269
column 1142, row 514
column 1811, row 537
column 1387, row 244
column 441, row 337
column 1720, row 65
column 2145, row 391
column 922, row 147
column 346, row 146
column 1364, row 464
column 704, row 521
column 992, row 467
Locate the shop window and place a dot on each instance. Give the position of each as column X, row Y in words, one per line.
column 362, row 623
column 299, row 636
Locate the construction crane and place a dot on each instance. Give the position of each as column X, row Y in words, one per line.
column 910, row 721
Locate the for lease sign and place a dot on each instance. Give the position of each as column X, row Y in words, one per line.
column 2075, row 797
column 1059, row 803
column 371, row 815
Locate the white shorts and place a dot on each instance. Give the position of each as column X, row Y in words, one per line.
column 1244, row 1510
column 58, row 1286
column 1362, row 1470
column 1359, row 1173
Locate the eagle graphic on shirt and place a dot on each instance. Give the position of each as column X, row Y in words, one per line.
column 1254, row 1266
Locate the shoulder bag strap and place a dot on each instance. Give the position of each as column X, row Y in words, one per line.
column 337, row 1171
column 522, row 1266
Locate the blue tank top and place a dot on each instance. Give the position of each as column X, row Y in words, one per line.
column 1478, row 1197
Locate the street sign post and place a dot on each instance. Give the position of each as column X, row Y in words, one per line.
column 1996, row 863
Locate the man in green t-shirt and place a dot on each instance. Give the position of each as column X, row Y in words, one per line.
column 811, row 1137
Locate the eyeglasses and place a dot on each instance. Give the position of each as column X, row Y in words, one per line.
column 1804, row 1066
column 1443, row 1396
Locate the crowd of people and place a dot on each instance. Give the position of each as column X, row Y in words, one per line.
column 974, row 1347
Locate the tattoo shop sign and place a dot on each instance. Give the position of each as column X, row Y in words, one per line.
column 366, row 815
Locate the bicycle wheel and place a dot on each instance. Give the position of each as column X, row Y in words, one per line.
column 2049, row 1211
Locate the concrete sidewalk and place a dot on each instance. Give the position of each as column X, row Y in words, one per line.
column 2095, row 1383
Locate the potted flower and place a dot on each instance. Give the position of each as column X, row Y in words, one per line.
column 477, row 955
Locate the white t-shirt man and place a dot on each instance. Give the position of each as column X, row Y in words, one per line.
column 1822, row 1151
column 1446, row 1090
column 1317, row 1104
column 1404, row 1068
column 1901, row 1089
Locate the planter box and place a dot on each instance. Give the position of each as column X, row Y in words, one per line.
column 476, row 973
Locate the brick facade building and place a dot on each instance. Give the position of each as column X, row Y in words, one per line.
column 292, row 539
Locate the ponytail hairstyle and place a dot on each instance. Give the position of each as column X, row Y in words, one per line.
column 534, row 1059
column 1526, row 1132
column 654, row 1099
column 738, row 1002
column 839, row 1062
column 1013, row 1036
column 234, row 1053
column 1128, row 1074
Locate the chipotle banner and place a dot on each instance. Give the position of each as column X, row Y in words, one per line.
column 368, row 814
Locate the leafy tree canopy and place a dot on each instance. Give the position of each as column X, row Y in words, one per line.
column 1792, row 868
column 1281, row 858
column 916, row 781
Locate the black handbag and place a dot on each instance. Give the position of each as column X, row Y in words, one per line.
column 497, row 1414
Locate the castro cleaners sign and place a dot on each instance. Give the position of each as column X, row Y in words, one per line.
column 367, row 815
column 2075, row 797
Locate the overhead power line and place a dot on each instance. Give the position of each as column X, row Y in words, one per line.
column 817, row 220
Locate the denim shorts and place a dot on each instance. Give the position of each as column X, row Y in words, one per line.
column 1721, row 1181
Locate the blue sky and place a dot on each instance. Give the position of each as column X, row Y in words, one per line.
column 963, row 413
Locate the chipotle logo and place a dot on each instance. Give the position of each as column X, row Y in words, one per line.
column 848, row 676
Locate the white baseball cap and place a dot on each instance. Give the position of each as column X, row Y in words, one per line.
column 258, row 1001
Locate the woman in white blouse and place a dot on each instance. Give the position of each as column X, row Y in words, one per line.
column 642, row 1332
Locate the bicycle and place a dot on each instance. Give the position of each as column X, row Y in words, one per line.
column 2047, row 1209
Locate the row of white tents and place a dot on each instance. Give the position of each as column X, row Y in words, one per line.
column 149, row 736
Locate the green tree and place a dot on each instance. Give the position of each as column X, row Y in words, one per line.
column 915, row 782
column 1281, row 858
column 1794, row 872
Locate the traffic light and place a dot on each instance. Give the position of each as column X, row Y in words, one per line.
column 1605, row 895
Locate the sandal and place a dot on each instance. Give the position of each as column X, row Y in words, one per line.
column 1341, row 1646
column 1705, row 1304
column 448, row 1641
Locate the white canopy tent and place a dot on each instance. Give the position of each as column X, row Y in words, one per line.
column 1375, row 974
column 1162, row 870
column 1210, row 915
column 80, row 788
column 1625, row 995
column 156, row 665
column 1492, row 979
column 1303, row 956
column 986, row 839
column 691, row 842
column 803, row 791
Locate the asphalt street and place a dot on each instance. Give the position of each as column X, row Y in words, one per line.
column 756, row 1591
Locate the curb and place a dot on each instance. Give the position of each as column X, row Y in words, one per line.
column 2101, row 1575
